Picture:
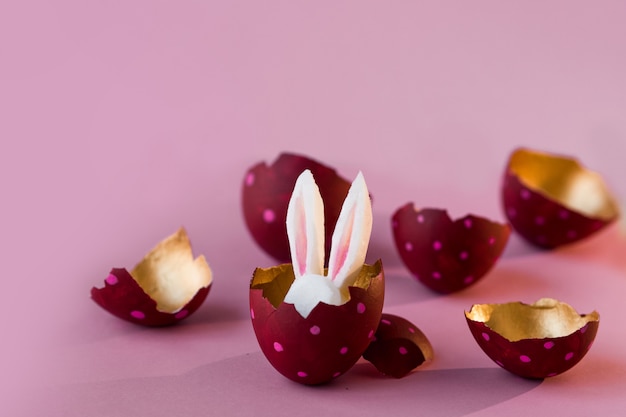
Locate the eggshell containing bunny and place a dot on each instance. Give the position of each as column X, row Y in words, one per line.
column 312, row 323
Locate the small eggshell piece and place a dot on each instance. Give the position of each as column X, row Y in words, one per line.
column 398, row 347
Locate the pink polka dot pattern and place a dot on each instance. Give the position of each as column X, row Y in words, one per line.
column 252, row 313
column 443, row 252
column 330, row 339
column 181, row 314
column 111, row 279
column 250, row 179
column 336, row 374
column 302, row 374
column 540, row 219
column 269, row 216
column 139, row 315
column 525, row 194
column 398, row 347
column 270, row 186
column 534, row 357
column 124, row 298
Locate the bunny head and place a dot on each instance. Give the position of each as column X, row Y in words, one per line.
column 305, row 231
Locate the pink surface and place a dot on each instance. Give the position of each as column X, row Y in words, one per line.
column 121, row 121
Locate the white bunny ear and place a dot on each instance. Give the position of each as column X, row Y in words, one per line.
column 305, row 227
column 351, row 235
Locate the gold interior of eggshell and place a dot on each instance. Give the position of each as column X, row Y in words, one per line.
column 546, row 318
column 425, row 346
column 276, row 281
column 170, row 275
column 565, row 181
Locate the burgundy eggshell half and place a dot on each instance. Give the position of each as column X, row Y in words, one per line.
column 552, row 200
column 124, row 298
column 443, row 254
column 398, row 347
column 266, row 191
column 167, row 286
column 327, row 343
column 533, row 341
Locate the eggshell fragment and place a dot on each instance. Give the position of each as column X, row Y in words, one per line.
column 398, row 347
column 266, row 192
column 539, row 340
column 446, row 255
column 327, row 343
column 553, row 200
column 167, row 286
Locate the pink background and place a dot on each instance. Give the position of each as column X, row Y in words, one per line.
column 121, row 121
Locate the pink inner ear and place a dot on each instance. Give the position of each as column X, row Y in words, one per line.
column 301, row 239
column 344, row 245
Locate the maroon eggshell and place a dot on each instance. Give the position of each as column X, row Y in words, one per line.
column 123, row 297
column 327, row 343
column 446, row 255
column 535, row 358
column 542, row 221
column 398, row 347
column 266, row 192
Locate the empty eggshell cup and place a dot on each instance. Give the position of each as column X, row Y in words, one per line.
column 167, row 286
column 553, row 200
column 443, row 254
column 537, row 340
column 265, row 196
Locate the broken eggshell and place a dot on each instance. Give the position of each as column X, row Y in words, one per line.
column 265, row 195
column 167, row 286
column 313, row 323
column 443, row 254
column 553, row 200
column 537, row 340
column 398, row 347
column 330, row 340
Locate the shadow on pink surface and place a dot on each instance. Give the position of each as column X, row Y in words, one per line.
column 246, row 386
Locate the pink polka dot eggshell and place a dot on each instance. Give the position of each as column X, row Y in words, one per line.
column 326, row 344
column 535, row 358
column 123, row 297
column 542, row 221
column 543, row 196
column 398, row 347
column 443, row 254
column 266, row 191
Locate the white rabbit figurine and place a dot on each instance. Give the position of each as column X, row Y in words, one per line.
column 305, row 230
